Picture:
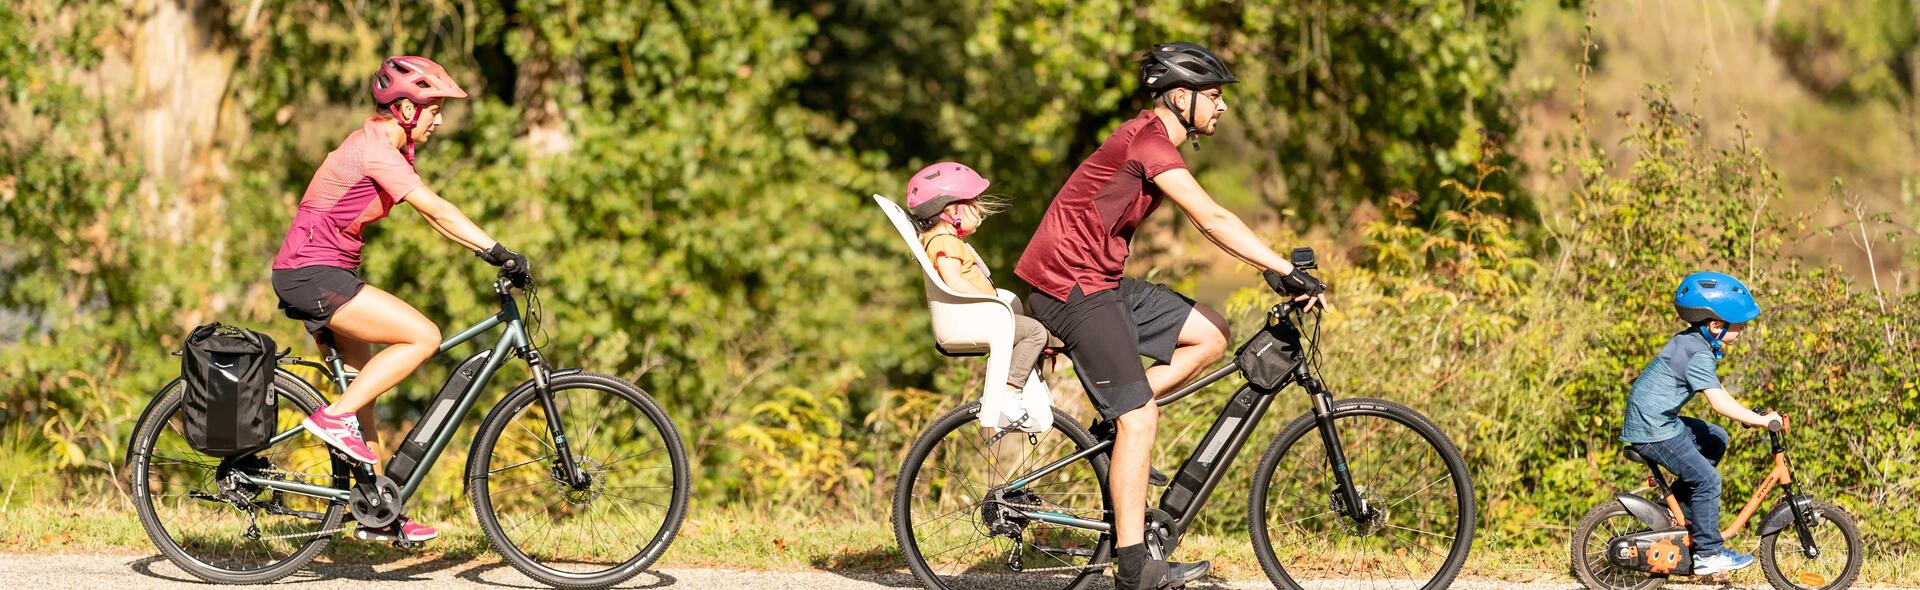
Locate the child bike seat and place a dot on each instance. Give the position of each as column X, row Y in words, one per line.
column 971, row 324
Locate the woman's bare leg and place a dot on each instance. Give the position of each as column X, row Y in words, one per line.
column 372, row 317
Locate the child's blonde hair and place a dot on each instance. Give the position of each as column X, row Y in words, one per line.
column 987, row 204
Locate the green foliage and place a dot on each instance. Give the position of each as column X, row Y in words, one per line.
column 690, row 180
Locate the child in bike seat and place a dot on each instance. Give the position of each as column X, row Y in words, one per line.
column 1716, row 308
column 947, row 201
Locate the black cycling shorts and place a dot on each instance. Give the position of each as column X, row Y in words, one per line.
column 312, row 294
column 1107, row 332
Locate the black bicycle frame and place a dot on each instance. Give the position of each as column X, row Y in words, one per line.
column 514, row 339
column 1208, row 464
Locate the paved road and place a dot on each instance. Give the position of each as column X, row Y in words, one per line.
column 74, row 572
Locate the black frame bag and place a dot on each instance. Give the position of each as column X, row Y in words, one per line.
column 1267, row 360
column 228, row 373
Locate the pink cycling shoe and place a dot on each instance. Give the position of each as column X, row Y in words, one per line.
column 342, row 432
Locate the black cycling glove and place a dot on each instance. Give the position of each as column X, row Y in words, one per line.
column 1294, row 284
column 499, row 255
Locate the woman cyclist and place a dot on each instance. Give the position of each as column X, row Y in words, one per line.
column 316, row 271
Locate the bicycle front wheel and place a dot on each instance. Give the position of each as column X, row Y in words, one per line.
column 597, row 534
column 963, row 522
column 1835, row 566
column 1418, row 520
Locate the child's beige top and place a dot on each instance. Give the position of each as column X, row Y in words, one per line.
column 949, row 246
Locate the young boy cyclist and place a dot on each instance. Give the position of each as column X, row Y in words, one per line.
column 1716, row 308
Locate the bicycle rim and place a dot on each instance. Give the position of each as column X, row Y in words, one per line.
column 192, row 510
column 597, row 535
column 1419, row 494
column 957, row 531
column 1838, row 564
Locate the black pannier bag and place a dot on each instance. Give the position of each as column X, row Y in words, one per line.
column 1268, row 359
column 230, row 405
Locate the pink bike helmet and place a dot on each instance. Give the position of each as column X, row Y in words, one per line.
column 416, row 79
column 413, row 78
column 941, row 184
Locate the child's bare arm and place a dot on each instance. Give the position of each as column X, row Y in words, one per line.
column 950, row 269
column 1724, row 403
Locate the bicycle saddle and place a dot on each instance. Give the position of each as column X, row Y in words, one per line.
column 1635, row 456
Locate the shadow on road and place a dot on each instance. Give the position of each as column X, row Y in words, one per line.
column 479, row 572
column 885, row 566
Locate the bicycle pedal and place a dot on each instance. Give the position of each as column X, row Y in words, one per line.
column 405, row 545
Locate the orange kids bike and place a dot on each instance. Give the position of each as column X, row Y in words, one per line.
column 1632, row 543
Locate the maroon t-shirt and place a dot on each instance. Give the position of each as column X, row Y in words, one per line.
column 1083, row 238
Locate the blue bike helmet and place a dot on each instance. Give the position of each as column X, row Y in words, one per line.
column 1704, row 296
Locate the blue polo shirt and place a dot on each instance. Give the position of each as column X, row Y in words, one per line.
column 1684, row 367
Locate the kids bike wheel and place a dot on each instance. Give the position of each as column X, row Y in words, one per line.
column 959, row 518
column 1788, row 567
column 215, row 528
column 613, row 525
column 1590, row 538
column 1418, row 497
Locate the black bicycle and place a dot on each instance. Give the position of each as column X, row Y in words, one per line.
column 1356, row 493
column 578, row 479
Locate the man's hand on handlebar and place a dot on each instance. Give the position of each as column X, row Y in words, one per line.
column 1306, row 290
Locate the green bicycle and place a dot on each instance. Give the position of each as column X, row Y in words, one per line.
column 578, row 479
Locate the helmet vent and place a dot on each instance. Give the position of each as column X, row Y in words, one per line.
column 1708, row 284
column 422, row 84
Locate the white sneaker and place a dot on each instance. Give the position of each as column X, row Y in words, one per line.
column 1728, row 560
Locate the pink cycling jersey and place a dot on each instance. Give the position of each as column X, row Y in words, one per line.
column 357, row 185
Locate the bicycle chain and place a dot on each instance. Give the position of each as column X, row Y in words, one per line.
column 1063, row 568
column 299, row 477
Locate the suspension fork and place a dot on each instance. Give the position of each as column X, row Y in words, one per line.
column 570, row 471
column 1355, row 506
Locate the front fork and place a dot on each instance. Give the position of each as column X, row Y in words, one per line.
column 1354, row 507
column 569, row 470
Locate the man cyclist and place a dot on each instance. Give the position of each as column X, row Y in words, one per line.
column 1107, row 321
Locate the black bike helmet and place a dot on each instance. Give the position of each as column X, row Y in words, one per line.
column 1183, row 65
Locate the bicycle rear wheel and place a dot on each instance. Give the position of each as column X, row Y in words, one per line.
column 1420, row 518
column 959, row 527
column 217, row 529
column 593, row 536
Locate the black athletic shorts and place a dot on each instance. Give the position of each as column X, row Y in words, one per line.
column 312, row 293
column 1107, row 332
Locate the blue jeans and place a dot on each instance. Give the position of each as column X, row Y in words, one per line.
column 1691, row 458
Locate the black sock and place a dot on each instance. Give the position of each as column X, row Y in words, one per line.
column 1128, row 560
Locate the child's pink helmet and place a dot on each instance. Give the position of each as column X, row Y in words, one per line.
column 941, row 184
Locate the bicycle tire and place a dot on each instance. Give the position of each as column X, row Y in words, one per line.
column 1849, row 531
column 1581, row 555
column 964, row 420
column 1462, row 495
column 147, row 433
column 480, row 478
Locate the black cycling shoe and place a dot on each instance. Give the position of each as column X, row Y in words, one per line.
column 1162, row 575
column 1180, row 574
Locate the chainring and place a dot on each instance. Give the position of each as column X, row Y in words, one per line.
column 375, row 504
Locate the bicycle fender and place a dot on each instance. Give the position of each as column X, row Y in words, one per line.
column 466, row 476
column 1653, row 515
column 157, row 395
column 1782, row 515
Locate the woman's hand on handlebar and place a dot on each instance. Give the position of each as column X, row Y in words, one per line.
column 513, row 265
